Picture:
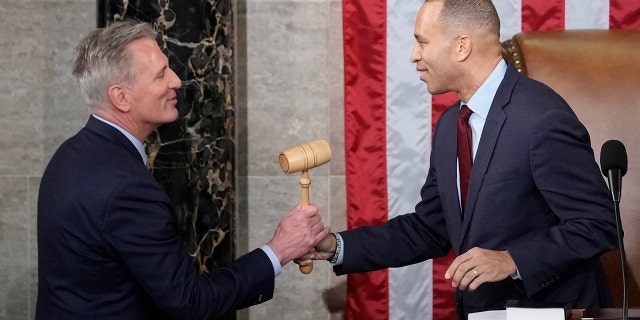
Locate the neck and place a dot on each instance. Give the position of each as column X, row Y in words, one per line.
column 476, row 75
column 124, row 122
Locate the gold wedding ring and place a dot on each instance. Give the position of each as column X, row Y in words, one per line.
column 475, row 272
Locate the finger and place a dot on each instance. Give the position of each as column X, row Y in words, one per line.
column 317, row 233
column 309, row 211
column 460, row 273
column 469, row 277
column 322, row 234
column 303, row 263
column 477, row 280
column 453, row 268
column 297, row 209
column 313, row 221
column 309, row 257
column 316, row 227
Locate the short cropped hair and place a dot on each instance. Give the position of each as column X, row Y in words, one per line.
column 102, row 59
column 462, row 16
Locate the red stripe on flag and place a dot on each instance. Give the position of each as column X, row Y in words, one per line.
column 364, row 31
column 542, row 15
column 443, row 293
column 624, row 14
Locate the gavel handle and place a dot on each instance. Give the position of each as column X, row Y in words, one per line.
column 305, row 182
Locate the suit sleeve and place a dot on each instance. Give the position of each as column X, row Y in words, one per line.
column 141, row 229
column 565, row 173
column 403, row 240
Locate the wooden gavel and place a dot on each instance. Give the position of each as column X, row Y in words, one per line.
column 301, row 158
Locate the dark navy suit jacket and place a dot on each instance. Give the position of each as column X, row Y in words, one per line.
column 535, row 190
column 108, row 245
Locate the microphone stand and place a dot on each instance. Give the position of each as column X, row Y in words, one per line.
column 615, row 179
column 625, row 292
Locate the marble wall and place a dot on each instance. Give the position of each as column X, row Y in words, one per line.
column 288, row 61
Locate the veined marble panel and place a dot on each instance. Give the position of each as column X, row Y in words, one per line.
column 193, row 158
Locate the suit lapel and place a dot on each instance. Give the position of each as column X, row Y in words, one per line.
column 449, row 152
column 490, row 133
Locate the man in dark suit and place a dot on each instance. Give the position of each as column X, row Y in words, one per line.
column 538, row 213
column 108, row 244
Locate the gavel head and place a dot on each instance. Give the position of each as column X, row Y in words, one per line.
column 305, row 156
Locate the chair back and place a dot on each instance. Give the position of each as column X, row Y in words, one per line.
column 598, row 73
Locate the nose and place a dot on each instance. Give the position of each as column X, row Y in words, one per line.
column 175, row 81
column 415, row 56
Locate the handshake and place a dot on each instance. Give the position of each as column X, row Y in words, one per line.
column 302, row 237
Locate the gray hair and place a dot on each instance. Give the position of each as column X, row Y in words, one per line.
column 102, row 59
column 462, row 16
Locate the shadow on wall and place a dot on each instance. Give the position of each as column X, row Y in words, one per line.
column 335, row 300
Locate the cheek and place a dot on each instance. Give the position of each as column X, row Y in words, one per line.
column 424, row 53
column 157, row 94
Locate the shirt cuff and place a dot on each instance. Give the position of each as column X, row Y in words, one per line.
column 277, row 268
column 339, row 250
column 516, row 276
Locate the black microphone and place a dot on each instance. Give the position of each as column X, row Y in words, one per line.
column 613, row 163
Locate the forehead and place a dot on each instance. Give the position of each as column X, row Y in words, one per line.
column 426, row 20
column 146, row 52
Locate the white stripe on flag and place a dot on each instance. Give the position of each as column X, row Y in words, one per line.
column 510, row 13
column 592, row 14
column 408, row 146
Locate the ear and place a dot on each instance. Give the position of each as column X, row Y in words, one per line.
column 119, row 98
column 463, row 47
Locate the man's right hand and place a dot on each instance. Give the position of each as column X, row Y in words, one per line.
column 297, row 233
column 324, row 250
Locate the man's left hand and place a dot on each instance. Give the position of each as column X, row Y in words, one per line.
column 477, row 266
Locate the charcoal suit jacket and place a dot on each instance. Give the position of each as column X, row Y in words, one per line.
column 535, row 190
column 108, row 245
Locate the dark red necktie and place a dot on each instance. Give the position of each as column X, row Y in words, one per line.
column 465, row 147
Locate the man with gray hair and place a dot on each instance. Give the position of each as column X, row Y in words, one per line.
column 108, row 245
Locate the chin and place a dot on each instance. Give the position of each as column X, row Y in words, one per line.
column 170, row 118
column 174, row 113
column 433, row 91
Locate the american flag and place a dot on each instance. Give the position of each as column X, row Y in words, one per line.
column 388, row 121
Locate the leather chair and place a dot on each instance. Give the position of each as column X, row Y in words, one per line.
column 598, row 73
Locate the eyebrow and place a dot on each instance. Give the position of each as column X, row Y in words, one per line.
column 420, row 37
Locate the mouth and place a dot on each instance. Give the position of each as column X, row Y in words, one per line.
column 423, row 73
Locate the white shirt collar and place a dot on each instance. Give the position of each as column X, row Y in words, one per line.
column 480, row 102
